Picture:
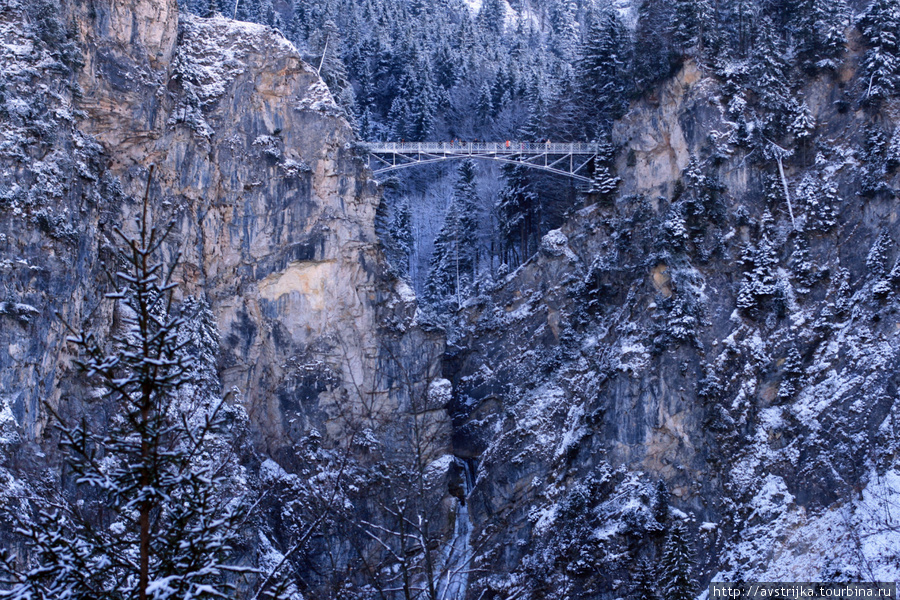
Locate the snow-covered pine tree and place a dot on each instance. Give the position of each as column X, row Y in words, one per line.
column 644, row 582
column 402, row 234
column 760, row 262
column 264, row 12
column 603, row 185
column 818, row 198
column 329, row 46
column 700, row 199
column 805, row 275
column 660, row 503
column 742, row 17
column 565, row 31
column 877, row 259
column 149, row 510
column 677, row 564
column 770, row 71
column 604, row 182
column 880, row 26
column 518, row 210
column 399, row 117
column 820, row 30
column 424, row 105
column 689, row 24
column 892, row 155
column 601, row 89
column 791, row 372
column 653, row 36
column 874, row 160
column 454, row 264
column 491, row 18
column 485, row 107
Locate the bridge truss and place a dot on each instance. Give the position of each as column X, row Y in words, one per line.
column 567, row 159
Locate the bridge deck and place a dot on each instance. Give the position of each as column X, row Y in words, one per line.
column 463, row 148
column 553, row 158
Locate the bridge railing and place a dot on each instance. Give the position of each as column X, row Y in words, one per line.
column 483, row 147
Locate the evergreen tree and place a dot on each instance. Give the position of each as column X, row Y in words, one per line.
column 653, row 36
column 660, row 504
column 600, row 75
column 333, row 72
column 819, row 199
column 485, row 108
column 604, row 183
column 518, row 210
column 880, row 26
column 742, row 17
column 770, row 70
column 402, row 234
column 156, row 516
column 564, row 29
column 874, row 159
column 700, row 200
column 760, row 263
column 820, row 33
column 491, row 18
column 892, row 155
column 454, row 264
column 644, row 582
column 791, row 372
column 677, row 564
column 535, row 128
column 877, row 259
column 805, row 275
column 689, row 23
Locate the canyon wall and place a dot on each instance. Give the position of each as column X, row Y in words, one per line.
column 273, row 215
column 704, row 349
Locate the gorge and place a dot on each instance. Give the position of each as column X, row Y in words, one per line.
column 709, row 347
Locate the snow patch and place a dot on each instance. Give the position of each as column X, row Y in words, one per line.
column 440, row 392
column 847, row 541
column 271, row 471
column 438, row 467
column 406, row 293
column 772, row 499
column 8, row 425
column 319, row 99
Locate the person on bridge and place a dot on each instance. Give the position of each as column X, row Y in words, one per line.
column 507, row 144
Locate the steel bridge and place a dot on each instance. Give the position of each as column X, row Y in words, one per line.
column 567, row 159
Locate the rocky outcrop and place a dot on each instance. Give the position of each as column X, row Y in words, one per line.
column 642, row 346
column 273, row 214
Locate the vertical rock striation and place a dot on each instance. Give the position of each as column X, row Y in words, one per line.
column 273, row 216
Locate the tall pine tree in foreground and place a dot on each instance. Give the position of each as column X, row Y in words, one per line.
column 677, row 565
column 149, row 510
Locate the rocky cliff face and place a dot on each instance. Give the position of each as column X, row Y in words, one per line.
column 699, row 351
column 273, row 213
column 718, row 346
